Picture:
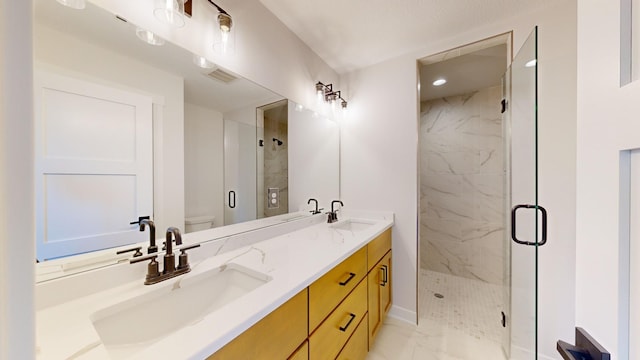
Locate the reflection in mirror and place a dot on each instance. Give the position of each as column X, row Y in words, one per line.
column 104, row 99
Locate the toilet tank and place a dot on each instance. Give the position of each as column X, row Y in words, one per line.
column 198, row 223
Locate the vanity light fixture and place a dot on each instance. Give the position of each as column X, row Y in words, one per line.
column 170, row 12
column 224, row 40
column 329, row 95
column 74, row 4
column 439, row 82
column 149, row 37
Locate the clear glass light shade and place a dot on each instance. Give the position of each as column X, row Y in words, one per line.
column 149, row 37
column 202, row 62
column 170, row 12
column 224, row 35
column 74, row 4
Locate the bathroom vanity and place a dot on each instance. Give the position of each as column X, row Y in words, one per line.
column 320, row 291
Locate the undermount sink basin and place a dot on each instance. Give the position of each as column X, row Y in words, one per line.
column 135, row 324
column 353, row 225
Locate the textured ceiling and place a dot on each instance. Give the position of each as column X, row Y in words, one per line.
column 356, row 33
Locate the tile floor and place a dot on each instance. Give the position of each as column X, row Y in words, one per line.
column 463, row 325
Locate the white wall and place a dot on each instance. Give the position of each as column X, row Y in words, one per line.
column 17, row 248
column 379, row 157
column 61, row 53
column 607, row 123
column 203, row 163
column 314, row 160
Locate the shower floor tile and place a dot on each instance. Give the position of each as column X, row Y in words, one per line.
column 462, row 325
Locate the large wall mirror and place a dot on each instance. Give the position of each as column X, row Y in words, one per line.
column 125, row 129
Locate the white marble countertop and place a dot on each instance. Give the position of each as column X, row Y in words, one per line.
column 293, row 261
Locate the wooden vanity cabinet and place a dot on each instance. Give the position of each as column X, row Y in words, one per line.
column 379, row 282
column 336, row 317
column 276, row 336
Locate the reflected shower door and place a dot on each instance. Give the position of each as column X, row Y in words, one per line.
column 239, row 172
column 526, row 219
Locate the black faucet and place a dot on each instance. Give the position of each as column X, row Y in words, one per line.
column 316, row 211
column 333, row 214
column 169, row 256
column 152, row 235
column 143, row 221
column 170, row 270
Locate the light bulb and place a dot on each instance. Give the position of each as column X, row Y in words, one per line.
column 531, row 63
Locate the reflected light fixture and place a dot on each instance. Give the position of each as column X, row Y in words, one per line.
column 224, row 37
column 531, row 63
column 202, row 62
column 149, row 37
column 74, row 4
column 170, row 12
column 439, row 82
column 326, row 93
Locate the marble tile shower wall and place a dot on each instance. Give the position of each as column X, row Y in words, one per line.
column 276, row 160
column 461, row 185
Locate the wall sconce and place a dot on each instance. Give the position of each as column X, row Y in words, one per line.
column 224, row 36
column 170, row 12
column 329, row 95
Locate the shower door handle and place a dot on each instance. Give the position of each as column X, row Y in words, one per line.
column 544, row 224
column 232, row 204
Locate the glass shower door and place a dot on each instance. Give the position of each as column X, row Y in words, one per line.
column 526, row 219
column 239, row 172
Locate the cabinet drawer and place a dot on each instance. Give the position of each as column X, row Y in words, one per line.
column 356, row 348
column 378, row 247
column 302, row 353
column 328, row 291
column 327, row 341
column 276, row 336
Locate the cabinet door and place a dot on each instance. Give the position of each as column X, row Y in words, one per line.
column 385, row 286
column 379, row 294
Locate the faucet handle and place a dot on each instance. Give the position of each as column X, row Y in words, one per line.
column 136, row 249
column 183, row 260
column 140, row 218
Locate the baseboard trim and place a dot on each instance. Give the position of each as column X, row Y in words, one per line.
column 403, row 314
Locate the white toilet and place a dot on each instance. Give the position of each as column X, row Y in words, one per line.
column 198, row 223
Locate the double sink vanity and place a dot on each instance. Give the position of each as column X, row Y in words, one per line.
column 306, row 289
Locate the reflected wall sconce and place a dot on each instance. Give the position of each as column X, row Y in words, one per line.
column 327, row 93
column 170, row 12
column 224, row 37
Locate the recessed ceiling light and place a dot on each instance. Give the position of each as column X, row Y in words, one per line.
column 531, row 63
column 439, row 82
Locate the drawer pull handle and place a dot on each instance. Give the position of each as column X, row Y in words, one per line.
column 351, row 276
column 385, row 275
column 344, row 328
